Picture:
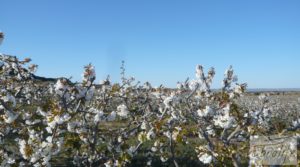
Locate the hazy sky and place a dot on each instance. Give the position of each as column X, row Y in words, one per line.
column 160, row 40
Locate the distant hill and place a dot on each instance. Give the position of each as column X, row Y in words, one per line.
column 273, row 90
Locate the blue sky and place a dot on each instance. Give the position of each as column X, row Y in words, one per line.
column 160, row 40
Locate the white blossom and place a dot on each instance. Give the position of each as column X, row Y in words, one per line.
column 144, row 125
column 10, row 117
column 22, row 148
column 122, row 110
column 296, row 123
column 205, row 158
column 150, row 134
column 163, row 158
column 60, row 85
column 205, row 112
column 199, row 72
column 223, row 119
column 168, row 134
column 108, row 164
column 61, row 88
column 238, row 89
column 171, row 100
column 210, row 130
column 89, row 75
